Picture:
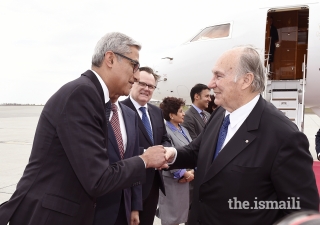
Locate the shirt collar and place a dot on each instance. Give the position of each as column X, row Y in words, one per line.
column 171, row 126
column 243, row 112
column 137, row 105
column 104, row 87
column 198, row 110
column 119, row 109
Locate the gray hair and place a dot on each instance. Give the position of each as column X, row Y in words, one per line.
column 250, row 62
column 115, row 42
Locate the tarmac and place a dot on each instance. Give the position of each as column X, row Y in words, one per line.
column 17, row 129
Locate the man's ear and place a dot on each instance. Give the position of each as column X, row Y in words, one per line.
column 247, row 80
column 109, row 58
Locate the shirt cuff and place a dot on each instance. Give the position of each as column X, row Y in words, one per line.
column 175, row 156
column 145, row 165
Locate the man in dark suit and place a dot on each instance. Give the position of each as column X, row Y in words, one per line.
column 69, row 166
column 121, row 207
column 196, row 116
column 254, row 166
column 140, row 95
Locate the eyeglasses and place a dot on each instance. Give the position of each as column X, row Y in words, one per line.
column 142, row 84
column 136, row 64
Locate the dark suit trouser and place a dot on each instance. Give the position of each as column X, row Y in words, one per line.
column 150, row 204
column 122, row 218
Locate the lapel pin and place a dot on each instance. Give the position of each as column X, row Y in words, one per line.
column 247, row 141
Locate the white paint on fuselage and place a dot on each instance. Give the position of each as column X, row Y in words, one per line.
column 192, row 62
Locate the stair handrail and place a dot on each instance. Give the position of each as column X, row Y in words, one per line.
column 303, row 90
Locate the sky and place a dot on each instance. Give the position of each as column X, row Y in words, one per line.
column 45, row 44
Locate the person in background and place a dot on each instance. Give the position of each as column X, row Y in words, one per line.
column 174, row 206
column 211, row 106
column 121, row 207
column 274, row 38
column 152, row 132
column 196, row 116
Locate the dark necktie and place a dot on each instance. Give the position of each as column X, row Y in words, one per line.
column 116, row 128
column 146, row 122
column 222, row 135
column 204, row 118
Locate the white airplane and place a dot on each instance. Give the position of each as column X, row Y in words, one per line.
column 295, row 81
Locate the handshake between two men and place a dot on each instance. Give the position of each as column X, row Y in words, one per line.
column 158, row 157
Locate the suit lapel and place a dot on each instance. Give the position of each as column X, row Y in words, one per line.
column 179, row 136
column 153, row 124
column 96, row 83
column 210, row 137
column 240, row 141
column 129, row 103
column 113, row 142
column 128, row 120
column 197, row 116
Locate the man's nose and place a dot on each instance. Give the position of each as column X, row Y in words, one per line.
column 212, row 83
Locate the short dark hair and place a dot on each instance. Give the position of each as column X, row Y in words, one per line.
column 171, row 105
column 197, row 89
column 150, row 70
column 211, row 105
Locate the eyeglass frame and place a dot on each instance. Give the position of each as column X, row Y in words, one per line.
column 150, row 86
column 133, row 62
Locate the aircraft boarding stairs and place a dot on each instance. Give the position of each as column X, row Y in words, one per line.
column 286, row 95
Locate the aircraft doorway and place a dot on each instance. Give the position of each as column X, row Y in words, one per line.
column 285, row 49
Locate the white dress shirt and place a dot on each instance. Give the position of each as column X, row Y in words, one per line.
column 120, row 115
column 237, row 118
column 137, row 106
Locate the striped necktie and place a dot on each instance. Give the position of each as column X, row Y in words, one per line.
column 116, row 128
column 204, row 118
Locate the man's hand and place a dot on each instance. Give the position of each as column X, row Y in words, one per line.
column 170, row 154
column 155, row 157
column 134, row 218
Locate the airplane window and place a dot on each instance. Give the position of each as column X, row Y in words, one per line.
column 213, row 32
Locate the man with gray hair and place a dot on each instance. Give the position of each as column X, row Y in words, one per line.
column 253, row 164
column 69, row 166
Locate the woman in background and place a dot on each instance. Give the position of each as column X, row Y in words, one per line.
column 174, row 207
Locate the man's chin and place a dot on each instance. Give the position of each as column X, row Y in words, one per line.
column 144, row 100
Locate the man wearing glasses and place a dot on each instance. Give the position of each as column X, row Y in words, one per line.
column 69, row 166
column 152, row 132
